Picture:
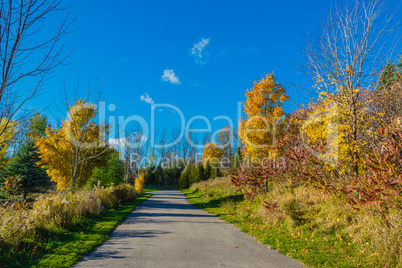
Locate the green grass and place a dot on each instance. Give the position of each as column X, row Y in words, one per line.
column 63, row 248
column 313, row 248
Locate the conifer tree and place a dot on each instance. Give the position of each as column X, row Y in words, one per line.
column 26, row 165
column 208, row 170
column 200, row 173
column 237, row 159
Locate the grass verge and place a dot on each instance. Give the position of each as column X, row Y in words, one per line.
column 67, row 247
column 312, row 248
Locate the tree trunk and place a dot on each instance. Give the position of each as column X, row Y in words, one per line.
column 75, row 170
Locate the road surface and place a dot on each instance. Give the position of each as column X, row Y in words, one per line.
column 167, row 231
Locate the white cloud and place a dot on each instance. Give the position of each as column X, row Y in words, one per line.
column 169, row 75
column 117, row 143
column 147, row 99
column 133, row 139
column 200, row 56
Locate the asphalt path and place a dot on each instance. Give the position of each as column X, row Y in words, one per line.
column 167, row 231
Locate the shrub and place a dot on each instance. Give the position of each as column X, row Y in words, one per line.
column 113, row 197
column 139, row 183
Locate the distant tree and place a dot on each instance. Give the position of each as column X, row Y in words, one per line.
column 112, row 174
column 390, row 74
column 237, row 158
column 263, row 109
column 200, row 173
column 26, row 165
column 212, row 153
column 184, row 180
column 115, row 169
column 37, row 125
column 159, row 174
column 193, row 174
column 208, row 170
column 99, row 176
column 150, row 178
column 226, row 141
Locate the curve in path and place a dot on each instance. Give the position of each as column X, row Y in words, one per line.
column 167, row 231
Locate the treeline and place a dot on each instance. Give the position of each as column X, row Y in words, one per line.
column 181, row 175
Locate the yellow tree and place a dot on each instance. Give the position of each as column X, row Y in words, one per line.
column 72, row 151
column 263, row 109
column 353, row 44
column 212, row 153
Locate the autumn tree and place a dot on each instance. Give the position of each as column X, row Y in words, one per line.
column 264, row 112
column 76, row 148
column 212, row 154
column 343, row 58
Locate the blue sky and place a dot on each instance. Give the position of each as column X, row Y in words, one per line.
column 200, row 56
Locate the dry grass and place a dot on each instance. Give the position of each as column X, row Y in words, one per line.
column 220, row 186
column 307, row 208
column 21, row 223
column 376, row 237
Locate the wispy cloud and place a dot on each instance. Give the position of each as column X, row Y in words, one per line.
column 147, row 99
column 169, row 75
column 198, row 51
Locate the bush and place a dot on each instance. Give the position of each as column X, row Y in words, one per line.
column 139, row 183
column 113, row 197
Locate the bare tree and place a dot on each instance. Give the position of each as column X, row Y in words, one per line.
column 135, row 150
column 191, row 142
column 175, row 150
column 225, row 139
column 20, row 23
column 343, row 59
column 162, row 142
